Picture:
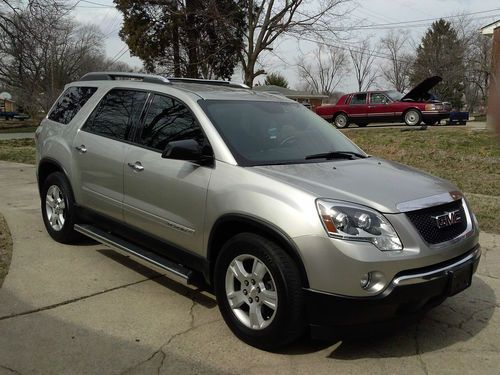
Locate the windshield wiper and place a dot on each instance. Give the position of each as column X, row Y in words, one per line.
column 336, row 155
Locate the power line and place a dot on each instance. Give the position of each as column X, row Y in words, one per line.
column 409, row 23
column 98, row 4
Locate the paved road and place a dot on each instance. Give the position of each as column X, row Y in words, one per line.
column 4, row 136
column 474, row 125
column 85, row 310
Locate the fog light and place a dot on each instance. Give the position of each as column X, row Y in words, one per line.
column 373, row 282
column 365, row 280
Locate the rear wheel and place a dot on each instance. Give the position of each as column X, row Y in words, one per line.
column 58, row 208
column 413, row 117
column 341, row 121
column 259, row 292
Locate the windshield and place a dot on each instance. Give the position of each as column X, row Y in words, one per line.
column 395, row 95
column 264, row 133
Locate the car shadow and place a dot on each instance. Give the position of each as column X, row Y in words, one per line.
column 199, row 292
column 458, row 319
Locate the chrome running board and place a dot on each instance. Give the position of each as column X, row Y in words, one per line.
column 145, row 257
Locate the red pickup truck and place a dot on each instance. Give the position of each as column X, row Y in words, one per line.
column 362, row 108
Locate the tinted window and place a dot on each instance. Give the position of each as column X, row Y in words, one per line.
column 168, row 120
column 70, row 103
column 116, row 113
column 378, row 98
column 358, row 99
column 262, row 133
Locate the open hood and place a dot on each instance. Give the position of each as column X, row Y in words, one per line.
column 420, row 92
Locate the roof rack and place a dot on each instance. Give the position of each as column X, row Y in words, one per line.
column 212, row 82
column 112, row 76
column 151, row 78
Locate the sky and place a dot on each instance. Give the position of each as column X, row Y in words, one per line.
column 286, row 50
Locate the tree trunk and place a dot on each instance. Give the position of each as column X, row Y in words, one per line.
column 176, row 43
column 192, row 7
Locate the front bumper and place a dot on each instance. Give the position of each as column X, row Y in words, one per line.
column 409, row 293
column 435, row 115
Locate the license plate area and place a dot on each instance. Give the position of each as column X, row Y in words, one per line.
column 460, row 279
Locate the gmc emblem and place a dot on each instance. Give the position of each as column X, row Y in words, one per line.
column 448, row 218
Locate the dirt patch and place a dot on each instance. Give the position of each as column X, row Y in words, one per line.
column 5, row 249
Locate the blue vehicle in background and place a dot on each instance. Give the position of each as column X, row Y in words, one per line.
column 14, row 116
column 458, row 118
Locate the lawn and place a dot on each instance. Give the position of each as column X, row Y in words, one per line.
column 18, row 150
column 26, row 129
column 468, row 158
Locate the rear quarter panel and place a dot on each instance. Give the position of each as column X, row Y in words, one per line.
column 328, row 111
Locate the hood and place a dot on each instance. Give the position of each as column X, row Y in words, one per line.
column 372, row 182
column 420, row 92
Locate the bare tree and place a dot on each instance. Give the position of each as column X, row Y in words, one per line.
column 363, row 57
column 269, row 19
column 397, row 70
column 41, row 49
column 324, row 73
column 477, row 62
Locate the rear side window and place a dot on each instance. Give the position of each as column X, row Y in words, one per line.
column 358, row 99
column 70, row 102
column 168, row 120
column 116, row 113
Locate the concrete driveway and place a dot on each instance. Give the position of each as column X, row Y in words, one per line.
column 86, row 310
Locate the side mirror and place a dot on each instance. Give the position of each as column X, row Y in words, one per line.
column 188, row 150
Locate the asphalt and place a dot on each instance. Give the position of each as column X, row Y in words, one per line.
column 86, row 310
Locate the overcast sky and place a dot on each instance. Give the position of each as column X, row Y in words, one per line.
column 285, row 53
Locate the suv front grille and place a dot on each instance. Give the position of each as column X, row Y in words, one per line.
column 426, row 224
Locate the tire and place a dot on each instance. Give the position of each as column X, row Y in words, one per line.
column 413, row 117
column 341, row 121
column 58, row 205
column 269, row 328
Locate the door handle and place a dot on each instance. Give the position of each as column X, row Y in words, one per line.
column 81, row 149
column 137, row 166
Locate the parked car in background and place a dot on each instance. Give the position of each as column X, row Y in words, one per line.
column 362, row 108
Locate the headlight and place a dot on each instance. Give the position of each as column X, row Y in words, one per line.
column 433, row 107
column 353, row 222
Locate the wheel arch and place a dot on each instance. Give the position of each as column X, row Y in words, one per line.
column 229, row 225
column 408, row 109
column 46, row 166
column 338, row 112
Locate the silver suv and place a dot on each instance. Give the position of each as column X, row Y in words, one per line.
column 294, row 227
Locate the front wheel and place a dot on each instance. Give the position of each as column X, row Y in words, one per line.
column 413, row 117
column 259, row 292
column 58, row 208
column 341, row 121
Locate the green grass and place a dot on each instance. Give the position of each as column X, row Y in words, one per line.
column 468, row 158
column 18, row 150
